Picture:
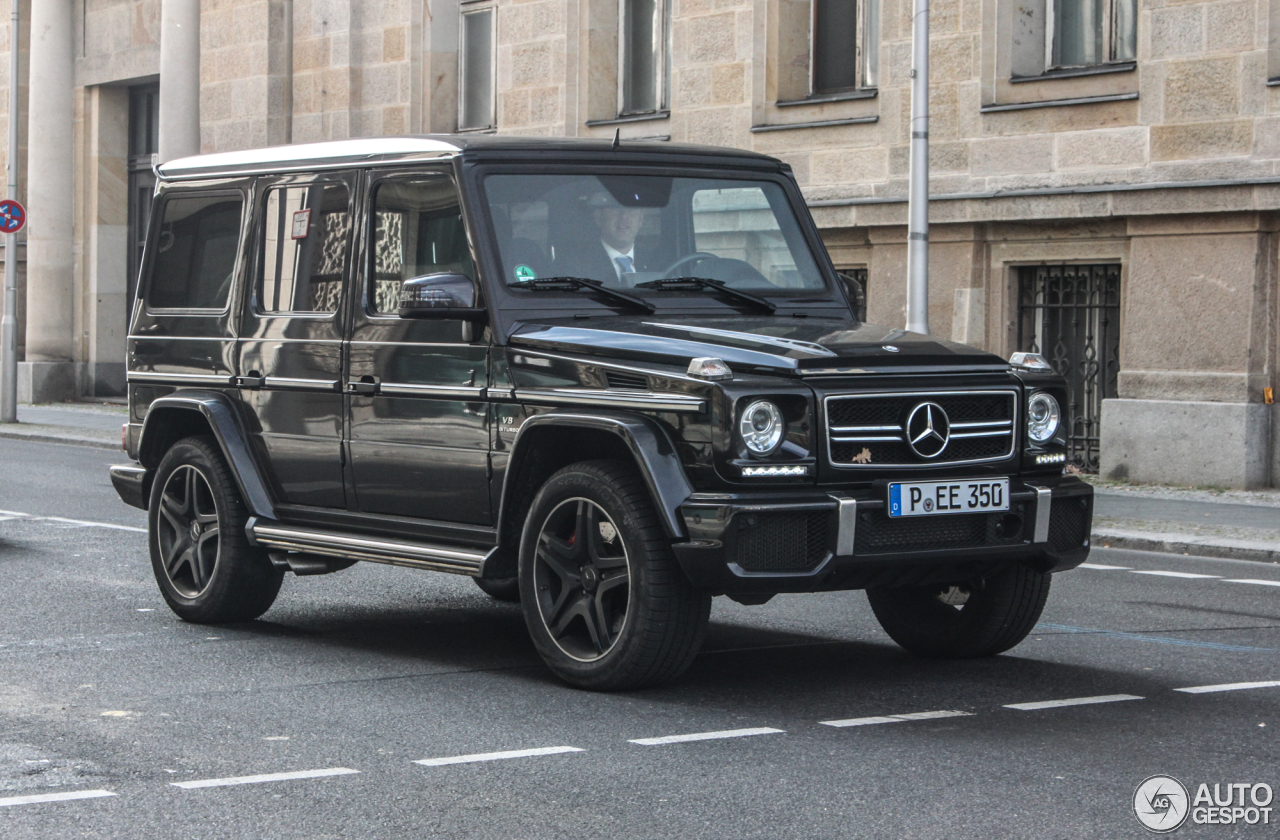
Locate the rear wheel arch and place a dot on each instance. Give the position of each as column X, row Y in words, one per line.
column 181, row 415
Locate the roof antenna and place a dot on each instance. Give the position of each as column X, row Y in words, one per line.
column 617, row 136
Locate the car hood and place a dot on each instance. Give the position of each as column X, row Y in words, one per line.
column 792, row 345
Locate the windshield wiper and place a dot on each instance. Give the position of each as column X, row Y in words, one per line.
column 573, row 283
column 694, row 283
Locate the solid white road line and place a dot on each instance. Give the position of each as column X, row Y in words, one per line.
column 495, row 756
column 868, row 721
column 54, row 797
column 1106, row 567
column 1074, row 701
column 266, row 777
column 706, row 736
column 1187, row 575
column 1208, row 689
column 1257, row 582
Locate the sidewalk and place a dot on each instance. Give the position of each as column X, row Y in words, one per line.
column 1237, row 524
column 83, row 424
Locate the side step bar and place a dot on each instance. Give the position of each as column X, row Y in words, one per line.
column 415, row 555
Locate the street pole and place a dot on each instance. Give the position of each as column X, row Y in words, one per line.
column 918, row 188
column 9, row 322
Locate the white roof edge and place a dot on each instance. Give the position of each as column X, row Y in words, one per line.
column 359, row 148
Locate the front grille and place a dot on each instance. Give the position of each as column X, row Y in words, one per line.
column 868, row 430
column 780, row 542
column 1068, row 523
column 876, row 533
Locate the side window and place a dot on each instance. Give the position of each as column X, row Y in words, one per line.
column 417, row 230
column 195, row 252
column 306, row 243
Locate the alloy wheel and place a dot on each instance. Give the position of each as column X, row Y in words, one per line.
column 188, row 530
column 583, row 579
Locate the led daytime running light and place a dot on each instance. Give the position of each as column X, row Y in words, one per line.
column 793, row 469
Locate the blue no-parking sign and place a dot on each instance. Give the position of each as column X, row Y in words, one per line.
column 13, row 216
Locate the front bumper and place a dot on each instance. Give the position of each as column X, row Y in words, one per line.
column 764, row 543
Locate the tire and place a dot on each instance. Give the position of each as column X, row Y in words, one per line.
column 611, row 611
column 501, row 589
column 982, row 618
column 206, row 569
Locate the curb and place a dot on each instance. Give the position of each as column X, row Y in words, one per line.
column 1175, row 543
column 68, row 440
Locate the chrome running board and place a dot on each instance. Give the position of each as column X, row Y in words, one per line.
column 414, row 555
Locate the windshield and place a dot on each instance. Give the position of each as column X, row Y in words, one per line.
column 626, row 231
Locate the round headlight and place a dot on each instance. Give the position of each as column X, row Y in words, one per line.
column 761, row 427
column 1043, row 417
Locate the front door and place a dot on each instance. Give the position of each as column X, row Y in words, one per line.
column 415, row 389
column 290, row 365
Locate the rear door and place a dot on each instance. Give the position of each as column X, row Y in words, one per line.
column 291, row 349
column 183, row 327
column 419, row 437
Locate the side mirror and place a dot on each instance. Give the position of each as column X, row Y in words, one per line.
column 857, row 294
column 444, row 296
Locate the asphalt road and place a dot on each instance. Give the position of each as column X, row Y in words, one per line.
column 354, row 677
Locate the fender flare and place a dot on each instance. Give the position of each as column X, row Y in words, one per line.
column 649, row 444
column 221, row 415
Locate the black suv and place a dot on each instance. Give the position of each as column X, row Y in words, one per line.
column 608, row 381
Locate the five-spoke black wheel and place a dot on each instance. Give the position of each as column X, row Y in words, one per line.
column 975, row 618
column 188, row 530
column 581, row 576
column 202, row 559
column 605, row 601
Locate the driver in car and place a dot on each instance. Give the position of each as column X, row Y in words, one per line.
column 618, row 226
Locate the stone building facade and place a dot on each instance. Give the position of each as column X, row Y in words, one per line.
column 1106, row 173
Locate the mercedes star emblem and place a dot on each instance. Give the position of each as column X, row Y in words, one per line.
column 927, row 430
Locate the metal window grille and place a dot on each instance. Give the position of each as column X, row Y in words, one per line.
column 144, row 134
column 1071, row 315
column 860, row 275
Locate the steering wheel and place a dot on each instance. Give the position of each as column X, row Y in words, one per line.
column 687, row 259
column 725, row 269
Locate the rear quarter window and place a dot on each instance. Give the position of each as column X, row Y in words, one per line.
column 196, row 247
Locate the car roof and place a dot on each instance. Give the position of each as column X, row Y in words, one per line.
column 336, row 154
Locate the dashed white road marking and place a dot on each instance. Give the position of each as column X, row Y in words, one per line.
column 54, row 797
column 869, row 721
column 1256, row 582
column 1072, row 701
column 706, row 736
column 1209, row 689
column 16, row 514
column 495, row 756
column 1187, row 575
column 1105, row 567
column 265, row 777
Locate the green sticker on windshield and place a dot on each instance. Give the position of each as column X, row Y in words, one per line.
column 524, row 272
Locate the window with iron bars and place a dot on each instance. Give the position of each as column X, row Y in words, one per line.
column 1071, row 315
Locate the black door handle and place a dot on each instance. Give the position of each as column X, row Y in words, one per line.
column 367, row 386
column 254, row 379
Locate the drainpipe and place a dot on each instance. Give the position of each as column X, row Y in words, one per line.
column 918, row 189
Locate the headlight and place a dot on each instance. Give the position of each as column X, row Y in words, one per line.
column 761, row 427
column 1043, row 417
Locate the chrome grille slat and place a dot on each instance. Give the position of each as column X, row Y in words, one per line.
column 988, row 417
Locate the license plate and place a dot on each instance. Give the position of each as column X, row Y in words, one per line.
column 928, row 498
